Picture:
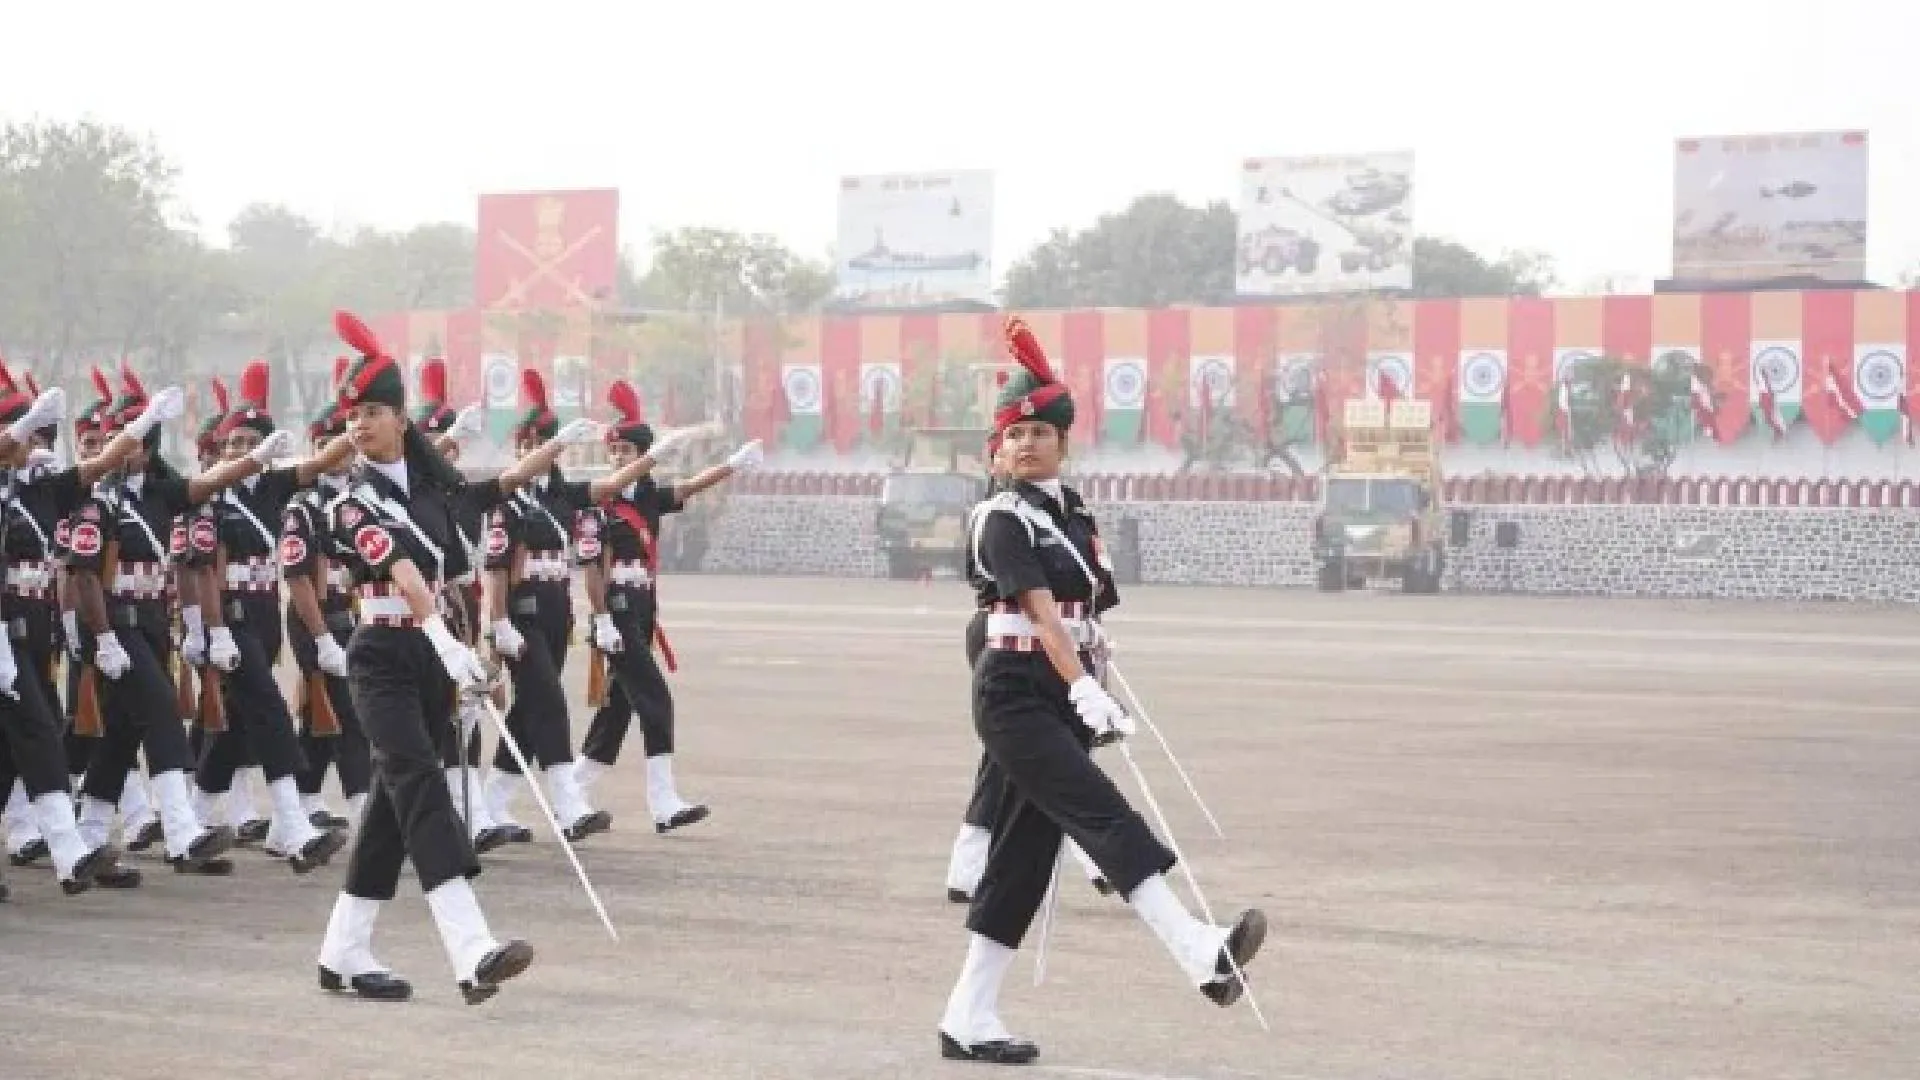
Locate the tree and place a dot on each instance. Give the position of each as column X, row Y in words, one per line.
column 91, row 263
column 1157, row 252
column 718, row 270
column 1631, row 417
column 1442, row 268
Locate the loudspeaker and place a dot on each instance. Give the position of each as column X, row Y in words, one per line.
column 1459, row 528
column 1506, row 534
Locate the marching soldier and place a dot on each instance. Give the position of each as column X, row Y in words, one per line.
column 319, row 624
column 529, row 591
column 405, row 667
column 1037, row 709
column 618, row 542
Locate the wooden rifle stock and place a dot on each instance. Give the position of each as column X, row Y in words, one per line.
column 322, row 721
column 86, row 705
column 596, row 678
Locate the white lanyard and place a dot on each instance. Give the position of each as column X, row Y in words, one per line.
column 235, row 502
column 367, row 494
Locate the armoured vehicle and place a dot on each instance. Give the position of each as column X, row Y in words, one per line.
column 922, row 520
column 1380, row 516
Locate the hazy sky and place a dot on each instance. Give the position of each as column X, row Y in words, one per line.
column 1535, row 124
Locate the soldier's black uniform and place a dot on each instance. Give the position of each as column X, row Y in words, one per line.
column 529, row 533
column 32, row 506
column 309, row 550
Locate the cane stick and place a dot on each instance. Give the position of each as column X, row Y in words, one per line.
column 1046, row 919
column 526, row 770
column 1141, row 711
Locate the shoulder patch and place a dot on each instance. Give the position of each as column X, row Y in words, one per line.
column 589, row 525
column 204, row 536
column 86, row 539
column 293, row 551
column 90, row 512
column 497, row 542
column 177, row 539
column 63, row 533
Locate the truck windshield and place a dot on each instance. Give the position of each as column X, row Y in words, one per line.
column 1387, row 498
column 1347, row 495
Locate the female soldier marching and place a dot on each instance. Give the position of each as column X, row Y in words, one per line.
column 1037, row 710
column 394, row 527
column 619, row 542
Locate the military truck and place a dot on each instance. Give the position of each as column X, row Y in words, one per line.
column 922, row 520
column 1381, row 518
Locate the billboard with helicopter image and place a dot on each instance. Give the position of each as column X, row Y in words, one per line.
column 915, row 239
column 1753, row 208
column 1325, row 224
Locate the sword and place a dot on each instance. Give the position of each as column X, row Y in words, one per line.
column 480, row 695
column 1141, row 711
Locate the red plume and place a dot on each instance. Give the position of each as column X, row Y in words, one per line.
column 254, row 384
column 534, row 387
column 7, row 385
column 625, row 400
column 100, row 385
column 32, row 386
column 221, row 405
column 132, row 382
column 340, row 366
column 355, row 333
column 1026, row 349
column 433, row 381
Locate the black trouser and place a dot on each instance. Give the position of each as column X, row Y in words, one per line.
column 30, row 748
column 989, row 784
column 138, row 708
column 1033, row 735
column 403, row 698
column 639, row 686
column 79, row 747
column 542, row 612
column 257, row 714
column 346, row 751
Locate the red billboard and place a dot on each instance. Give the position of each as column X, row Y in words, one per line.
column 548, row 249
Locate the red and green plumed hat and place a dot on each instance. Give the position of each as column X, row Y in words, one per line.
column 129, row 405
column 14, row 402
column 210, row 428
column 373, row 377
column 329, row 420
column 255, row 389
column 632, row 427
column 99, row 415
column 1034, row 392
column 434, row 415
column 539, row 420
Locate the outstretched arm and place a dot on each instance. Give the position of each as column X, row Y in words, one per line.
column 522, row 472
column 329, row 459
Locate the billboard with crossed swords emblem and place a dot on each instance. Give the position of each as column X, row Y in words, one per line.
column 548, row 249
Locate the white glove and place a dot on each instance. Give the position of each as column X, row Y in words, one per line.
column 70, row 628
column 747, row 456
column 463, row 667
column 468, row 422
column 578, row 431
column 49, row 408
column 273, row 446
column 9, row 671
column 606, row 636
column 221, row 651
column 193, row 636
column 507, row 640
column 40, row 457
column 1097, row 708
column 330, row 656
column 166, row 405
column 109, row 657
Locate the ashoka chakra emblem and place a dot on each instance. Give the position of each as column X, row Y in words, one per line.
column 1482, row 375
column 1880, row 375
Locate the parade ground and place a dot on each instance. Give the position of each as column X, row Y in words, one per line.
column 1496, row 837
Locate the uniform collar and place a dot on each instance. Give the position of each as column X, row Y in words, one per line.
column 394, row 473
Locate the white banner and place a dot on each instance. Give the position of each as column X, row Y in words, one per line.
column 914, row 240
column 1325, row 224
column 1757, row 207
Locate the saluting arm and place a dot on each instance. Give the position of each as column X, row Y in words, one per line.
column 329, row 459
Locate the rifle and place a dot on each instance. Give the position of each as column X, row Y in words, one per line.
column 322, row 721
column 87, row 721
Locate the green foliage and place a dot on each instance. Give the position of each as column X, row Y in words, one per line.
column 1442, row 268
column 1158, row 251
column 719, row 270
column 1604, row 392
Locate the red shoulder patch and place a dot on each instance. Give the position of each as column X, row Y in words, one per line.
column 373, row 543
column 589, row 547
column 589, row 525
column 90, row 512
column 86, row 539
column 177, row 540
column 497, row 540
column 293, row 551
column 205, row 537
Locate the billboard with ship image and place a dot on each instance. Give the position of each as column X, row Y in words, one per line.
column 1755, row 208
column 915, row 240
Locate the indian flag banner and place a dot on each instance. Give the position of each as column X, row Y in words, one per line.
column 1880, row 380
column 1124, row 396
column 1482, row 381
column 1297, row 391
column 803, row 388
column 1776, row 384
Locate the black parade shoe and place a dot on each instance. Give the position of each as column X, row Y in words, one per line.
column 31, row 852
column 219, row 866
column 958, row 896
column 1101, row 886
column 327, row 819
column 490, row 839
column 1243, row 944
column 503, row 963
column 517, row 834
column 597, row 822
column 374, row 985
column 117, row 877
column 252, row 831
column 87, row 870
column 692, row 815
column 317, row 851
column 992, row 1052
column 148, row 835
